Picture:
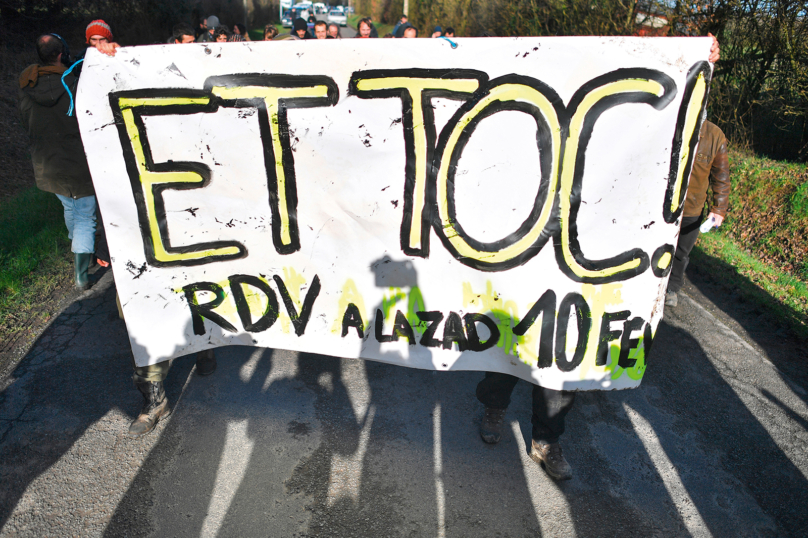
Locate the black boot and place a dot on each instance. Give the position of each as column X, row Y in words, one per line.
column 81, row 264
column 205, row 362
column 155, row 406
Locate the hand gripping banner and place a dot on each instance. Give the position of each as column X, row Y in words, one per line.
column 508, row 205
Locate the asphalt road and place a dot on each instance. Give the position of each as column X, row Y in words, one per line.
column 277, row 443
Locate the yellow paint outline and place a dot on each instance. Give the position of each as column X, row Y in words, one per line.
column 689, row 130
column 148, row 179
column 568, row 168
column 503, row 93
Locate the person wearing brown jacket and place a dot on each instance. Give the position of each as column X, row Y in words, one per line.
column 710, row 170
column 47, row 91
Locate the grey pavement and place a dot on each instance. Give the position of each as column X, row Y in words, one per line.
column 277, row 443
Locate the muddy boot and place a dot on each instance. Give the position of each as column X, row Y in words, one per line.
column 81, row 265
column 671, row 299
column 491, row 428
column 155, row 407
column 553, row 458
column 205, row 362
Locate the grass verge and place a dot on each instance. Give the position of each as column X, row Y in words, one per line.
column 768, row 211
column 778, row 292
column 35, row 258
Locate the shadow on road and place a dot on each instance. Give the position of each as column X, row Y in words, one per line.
column 77, row 372
column 280, row 443
column 735, row 295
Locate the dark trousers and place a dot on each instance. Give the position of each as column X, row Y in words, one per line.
column 549, row 406
column 687, row 240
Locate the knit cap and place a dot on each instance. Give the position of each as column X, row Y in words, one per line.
column 98, row 27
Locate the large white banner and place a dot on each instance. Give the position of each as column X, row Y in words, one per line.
column 507, row 205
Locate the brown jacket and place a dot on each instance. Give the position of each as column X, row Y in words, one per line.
column 57, row 152
column 710, row 169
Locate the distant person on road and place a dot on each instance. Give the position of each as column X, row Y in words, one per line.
column 301, row 29
column 401, row 29
column 320, row 30
column 211, row 23
column 333, row 31
column 401, row 21
column 373, row 32
column 363, row 29
column 240, row 29
column 270, row 32
column 182, row 34
column 57, row 152
column 221, row 34
column 710, row 170
column 201, row 28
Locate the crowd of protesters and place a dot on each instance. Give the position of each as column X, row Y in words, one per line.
column 47, row 93
column 211, row 30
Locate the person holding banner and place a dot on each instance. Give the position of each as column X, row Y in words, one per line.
column 550, row 407
column 710, row 170
column 149, row 379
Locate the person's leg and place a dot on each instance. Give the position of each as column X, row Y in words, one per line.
column 101, row 248
column 688, row 235
column 550, row 408
column 80, row 222
column 67, row 204
column 84, row 225
column 494, row 392
column 149, row 381
column 205, row 362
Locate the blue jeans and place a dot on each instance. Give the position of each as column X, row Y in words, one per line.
column 80, row 221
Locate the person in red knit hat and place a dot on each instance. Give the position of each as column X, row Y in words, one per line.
column 98, row 32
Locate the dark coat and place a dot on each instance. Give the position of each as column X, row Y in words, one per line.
column 60, row 165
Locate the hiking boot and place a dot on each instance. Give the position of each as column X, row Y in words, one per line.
column 671, row 298
column 552, row 457
column 81, row 264
column 491, row 428
column 205, row 362
column 155, row 407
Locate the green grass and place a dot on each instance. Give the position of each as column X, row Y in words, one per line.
column 768, row 212
column 35, row 256
column 779, row 293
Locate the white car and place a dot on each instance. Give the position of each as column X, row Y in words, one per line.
column 337, row 17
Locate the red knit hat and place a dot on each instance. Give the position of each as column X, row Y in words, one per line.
column 98, row 27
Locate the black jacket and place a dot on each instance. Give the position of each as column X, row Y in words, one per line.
column 60, row 165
